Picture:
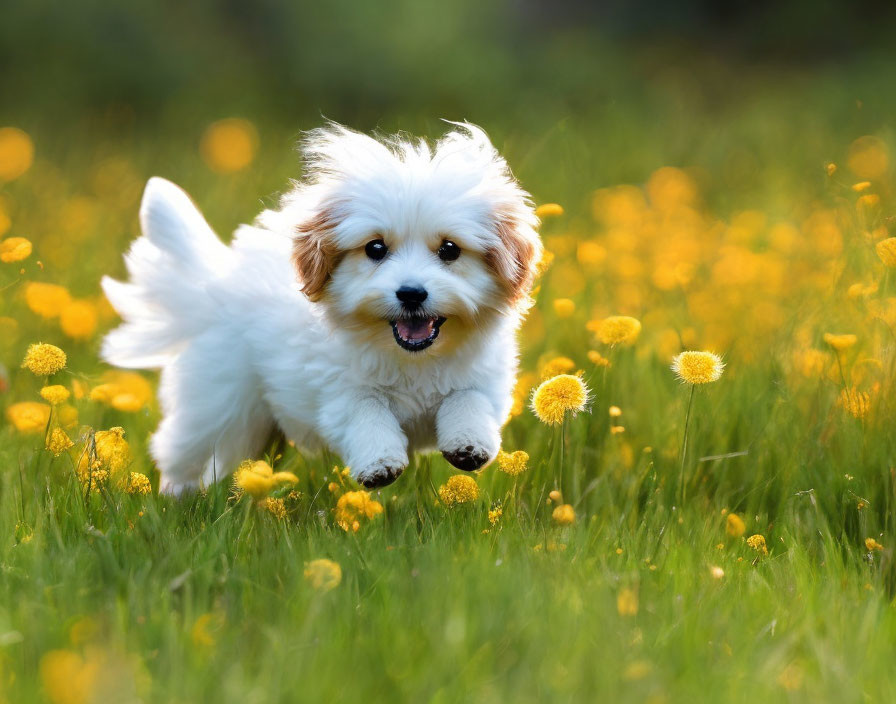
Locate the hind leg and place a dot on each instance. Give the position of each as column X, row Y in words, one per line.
column 214, row 416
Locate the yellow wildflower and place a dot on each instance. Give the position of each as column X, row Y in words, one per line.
column 494, row 515
column 513, row 463
column 856, row 403
column 123, row 391
column 555, row 496
column 716, row 572
column 627, row 602
column 58, row 442
column 757, row 542
column 258, row 479
column 138, row 483
column 55, row 394
column 869, row 200
column 861, row 186
column 46, row 300
column 42, row 359
column 616, row 330
column 697, row 367
column 16, row 153
column 78, row 320
column 68, row 678
column 886, row 250
column 459, row 489
column 28, row 416
column 564, row 307
column 557, row 396
column 564, row 515
column 555, row 366
column 615, row 411
column 598, row 359
column 323, row 575
column 830, row 168
column 547, row 210
column 872, row 544
column 734, row 525
column 276, row 507
column 229, row 145
column 354, row 506
column 14, row 249
column 840, row 342
column 112, row 450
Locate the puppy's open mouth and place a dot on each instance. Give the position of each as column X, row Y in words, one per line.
column 415, row 333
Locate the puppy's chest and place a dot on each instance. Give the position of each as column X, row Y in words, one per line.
column 415, row 400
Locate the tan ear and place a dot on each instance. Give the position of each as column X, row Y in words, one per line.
column 315, row 254
column 516, row 260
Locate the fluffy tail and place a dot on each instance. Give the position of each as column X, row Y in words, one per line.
column 166, row 301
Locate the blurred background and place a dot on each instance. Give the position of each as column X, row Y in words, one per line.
column 748, row 101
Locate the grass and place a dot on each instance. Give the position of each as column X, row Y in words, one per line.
column 115, row 597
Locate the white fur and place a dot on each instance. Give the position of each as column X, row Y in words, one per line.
column 241, row 348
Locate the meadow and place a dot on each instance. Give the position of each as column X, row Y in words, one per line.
column 730, row 540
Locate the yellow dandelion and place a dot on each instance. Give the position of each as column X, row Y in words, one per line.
column 564, row 515
column 46, row 300
column 869, row 200
column 258, row 479
column 549, row 210
column 627, row 602
column 556, row 397
column 735, row 526
column 757, row 542
column 323, row 575
column 564, row 307
column 229, row 145
column 15, row 249
column 28, row 416
column 555, row 366
column 58, row 442
column 615, row 411
column 513, row 463
column 138, row 483
column 598, row 359
column 830, row 168
column 42, row 359
column 697, row 367
column 886, row 250
column 459, row 489
column 123, row 391
column 861, row 186
column 856, row 403
column 840, row 342
column 355, row 506
column 871, row 544
column 275, row 507
column 494, row 515
column 617, row 330
column 16, row 153
column 716, row 572
column 555, row 496
column 55, row 394
column 112, row 450
column 78, row 320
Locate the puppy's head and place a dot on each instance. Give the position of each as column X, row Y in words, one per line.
column 409, row 244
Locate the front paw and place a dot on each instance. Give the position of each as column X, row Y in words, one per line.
column 381, row 472
column 468, row 458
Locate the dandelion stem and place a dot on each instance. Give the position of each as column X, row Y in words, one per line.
column 684, row 447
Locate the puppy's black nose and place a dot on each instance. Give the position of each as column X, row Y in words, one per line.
column 411, row 296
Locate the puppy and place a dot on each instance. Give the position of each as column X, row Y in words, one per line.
column 374, row 312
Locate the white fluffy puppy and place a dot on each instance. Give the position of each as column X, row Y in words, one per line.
column 375, row 311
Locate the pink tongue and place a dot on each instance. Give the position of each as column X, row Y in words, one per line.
column 415, row 329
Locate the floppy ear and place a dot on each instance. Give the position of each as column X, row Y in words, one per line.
column 515, row 259
column 315, row 254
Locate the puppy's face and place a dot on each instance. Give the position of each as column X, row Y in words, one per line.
column 409, row 246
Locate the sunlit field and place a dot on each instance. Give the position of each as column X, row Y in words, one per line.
column 721, row 531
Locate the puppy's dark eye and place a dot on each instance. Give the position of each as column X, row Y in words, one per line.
column 449, row 251
column 376, row 249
